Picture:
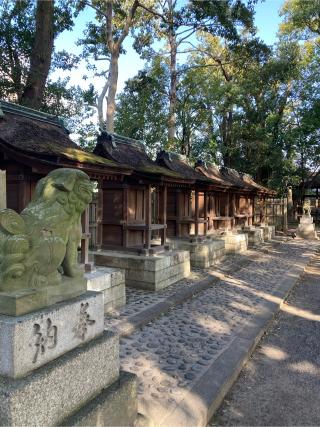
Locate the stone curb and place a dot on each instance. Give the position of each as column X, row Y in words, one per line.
column 212, row 387
column 136, row 321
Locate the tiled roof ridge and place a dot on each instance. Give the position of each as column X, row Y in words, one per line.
column 21, row 110
column 120, row 139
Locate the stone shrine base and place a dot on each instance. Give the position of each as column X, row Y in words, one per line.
column 255, row 235
column 203, row 253
column 306, row 228
column 111, row 282
column 234, row 242
column 153, row 272
column 269, row 231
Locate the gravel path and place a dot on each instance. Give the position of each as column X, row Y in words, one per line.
column 170, row 353
column 279, row 386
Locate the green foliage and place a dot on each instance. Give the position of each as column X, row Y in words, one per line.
column 17, row 30
column 301, row 18
column 142, row 107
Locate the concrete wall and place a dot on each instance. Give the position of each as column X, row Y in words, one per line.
column 3, row 191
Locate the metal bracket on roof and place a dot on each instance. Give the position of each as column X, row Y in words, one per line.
column 114, row 145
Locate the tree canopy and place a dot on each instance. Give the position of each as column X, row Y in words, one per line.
column 209, row 89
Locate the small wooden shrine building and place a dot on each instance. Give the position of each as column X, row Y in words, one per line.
column 32, row 144
column 135, row 210
column 221, row 198
column 242, row 195
column 187, row 207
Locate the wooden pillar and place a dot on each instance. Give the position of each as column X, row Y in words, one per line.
column 99, row 216
column 205, row 209
column 273, row 213
column 196, row 212
column 179, row 200
column 148, row 218
column 164, row 215
column 233, row 210
column 85, row 240
column 125, row 233
column 228, row 210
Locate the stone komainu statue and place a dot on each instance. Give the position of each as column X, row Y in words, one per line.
column 40, row 245
column 306, row 207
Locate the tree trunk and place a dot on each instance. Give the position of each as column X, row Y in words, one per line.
column 173, row 79
column 41, row 54
column 113, row 83
column 226, row 134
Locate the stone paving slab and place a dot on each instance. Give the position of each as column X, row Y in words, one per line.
column 175, row 355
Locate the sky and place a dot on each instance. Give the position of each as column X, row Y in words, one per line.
column 266, row 19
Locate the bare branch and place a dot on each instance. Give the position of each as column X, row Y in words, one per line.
column 128, row 23
column 153, row 12
column 99, row 11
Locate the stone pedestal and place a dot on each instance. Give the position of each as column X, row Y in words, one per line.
column 306, row 228
column 269, row 231
column 234, row 242
column 152, row 272
column 58, row 362
column 203, row 253
column 255, row 235
column 111, row 282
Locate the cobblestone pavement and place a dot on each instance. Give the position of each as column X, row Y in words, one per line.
column 173, row 351
column 140, row 299
column 280, row 383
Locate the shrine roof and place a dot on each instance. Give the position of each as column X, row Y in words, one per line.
column 131, row 152
column 312, row 181
column 231, row 178
column 43, row 137
column 179, row 164
column 212, row 171
column 244, row 181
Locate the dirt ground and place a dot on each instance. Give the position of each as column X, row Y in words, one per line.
column 280, row 384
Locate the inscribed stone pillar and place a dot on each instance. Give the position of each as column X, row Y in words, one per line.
column 290, row 203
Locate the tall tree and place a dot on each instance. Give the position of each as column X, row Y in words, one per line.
column 27, row 31
column 177, row 24
column 41, row 54
column 301, row 18
column 103, row 41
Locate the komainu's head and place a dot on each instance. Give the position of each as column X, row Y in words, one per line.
column 69, row 187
